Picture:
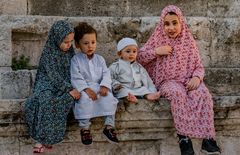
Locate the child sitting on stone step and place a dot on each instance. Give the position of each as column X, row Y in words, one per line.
column 130, row 80
column 172, row 60
column 47, row 108
column 91, row 77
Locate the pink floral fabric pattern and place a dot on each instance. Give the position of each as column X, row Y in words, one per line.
column 192, row 110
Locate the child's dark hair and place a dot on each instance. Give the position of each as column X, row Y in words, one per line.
column 81, row 29
column 172, row 13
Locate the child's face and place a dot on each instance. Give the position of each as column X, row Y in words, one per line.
column 88, row 44
column 67, row 42
column 172, row 25
column 129, row 53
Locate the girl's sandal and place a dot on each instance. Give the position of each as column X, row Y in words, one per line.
column 39, row 149
column 48, row 146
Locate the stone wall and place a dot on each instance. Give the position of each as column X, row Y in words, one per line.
column 218, row 44
column 114, row 8
column 132, row 8
column 145, row 128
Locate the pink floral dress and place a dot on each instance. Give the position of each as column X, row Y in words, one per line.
column 192, row 110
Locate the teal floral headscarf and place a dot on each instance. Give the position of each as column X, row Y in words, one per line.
column 59, row 30
column 54, row 64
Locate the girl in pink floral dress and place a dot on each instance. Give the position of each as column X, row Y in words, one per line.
column 172, row 60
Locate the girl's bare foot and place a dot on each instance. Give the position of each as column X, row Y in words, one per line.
column 153, row 96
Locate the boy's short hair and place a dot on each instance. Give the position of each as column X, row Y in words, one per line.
column 124, row 42
column 81, row 29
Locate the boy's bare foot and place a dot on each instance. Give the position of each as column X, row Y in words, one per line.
column 153, row 96
column 132, row 98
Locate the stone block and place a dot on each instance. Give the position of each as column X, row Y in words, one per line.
column 217, row 76
column 223, row 8
column 224, row 89
column 9, row 130
column 134, row 8
column 5, row 69
column 29, row 45
column 15, row 85
column 13, row 7
column 114, row 8
column 11, row 112
column 9, row 146
column 224, row 50
column 6, row 48
column 223, row 81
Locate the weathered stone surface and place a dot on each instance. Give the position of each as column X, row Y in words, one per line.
column 220, row 81
column 15, row 85
column 13, row 7
column 220, row 49
column 6, row 48
column 225, row 45
column 217, row 76
column 224, row 89
column 133, row 8
column 224, row 8
column 223, row 81
column 28, row 44
column 9, row 146
column 115, row 8
column 144, row 127
column 167, row 146
column 217, row 39
column 11, row 110
column 102, row 148
column 5, row 69
column 130, row 117
column 29, row 35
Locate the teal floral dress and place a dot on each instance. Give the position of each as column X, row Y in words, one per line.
column 47, row 108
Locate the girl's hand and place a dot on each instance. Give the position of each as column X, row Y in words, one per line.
column 75, row 94
column 103, row 91
column 91, row 94
column 163, row 50
column 193, row 83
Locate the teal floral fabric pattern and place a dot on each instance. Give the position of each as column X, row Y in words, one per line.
column 46, row 109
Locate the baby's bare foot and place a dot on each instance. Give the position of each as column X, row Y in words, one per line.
column 132, row 98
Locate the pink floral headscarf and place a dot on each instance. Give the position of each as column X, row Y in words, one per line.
column 159, row 36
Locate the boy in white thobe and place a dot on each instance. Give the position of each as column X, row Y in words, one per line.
column 91, row 77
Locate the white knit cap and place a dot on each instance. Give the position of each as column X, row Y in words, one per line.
column 125, row 42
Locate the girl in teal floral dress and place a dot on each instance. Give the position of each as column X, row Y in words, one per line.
column 53, row 96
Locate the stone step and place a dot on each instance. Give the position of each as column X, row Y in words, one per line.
column 18, row 84
column 144, row 128
column 139, row 120
column 220, row 102
column 168, row 146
